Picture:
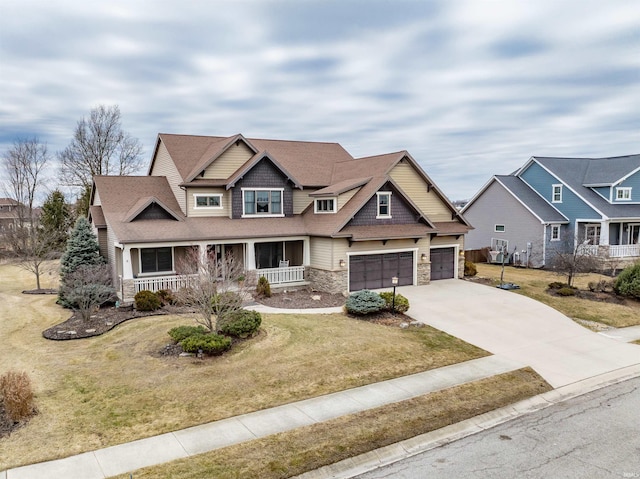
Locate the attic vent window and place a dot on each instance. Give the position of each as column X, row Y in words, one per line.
column 325, row 205
column 556, row 196
column 384, row 204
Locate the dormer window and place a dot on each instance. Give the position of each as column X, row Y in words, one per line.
column 623, row 193
column 384, row 204
column 556, row 196
column 207, row 201
column 262, row 202
column 324, row 205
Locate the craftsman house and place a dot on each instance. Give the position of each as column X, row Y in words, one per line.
column 295, row 212
column 589, row 204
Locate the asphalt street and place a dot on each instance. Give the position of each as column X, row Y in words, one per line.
column 596, row 435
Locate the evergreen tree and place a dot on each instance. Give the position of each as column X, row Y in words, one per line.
column 82, row 250
column 55, row 221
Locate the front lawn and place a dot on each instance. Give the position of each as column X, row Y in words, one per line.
column 115, row 388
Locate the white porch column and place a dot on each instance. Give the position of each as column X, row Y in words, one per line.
column 604, row 233
column 306, row 252
column 250, row 260
column 127, row 267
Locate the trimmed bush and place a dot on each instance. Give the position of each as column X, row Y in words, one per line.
column 558, row 285
column 16, row 393
column 470, row 268
column 628, row 282
column 566, row 291
column 182, row 332
column 212, row 344
column 242, row 323
column 146, row 301
column 263, row 288
column 364, row 302
column 225, row 302
column 401, row 303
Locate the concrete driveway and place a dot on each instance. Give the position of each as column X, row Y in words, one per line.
column 519, row 328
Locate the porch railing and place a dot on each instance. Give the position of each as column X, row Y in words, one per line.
column 290, row 274
column 624, row 250
column 588, row 249
column 156, row 283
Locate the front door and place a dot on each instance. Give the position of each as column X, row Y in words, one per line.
column 634, row 234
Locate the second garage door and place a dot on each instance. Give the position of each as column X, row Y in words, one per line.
column 374, row 271
column 442, row 263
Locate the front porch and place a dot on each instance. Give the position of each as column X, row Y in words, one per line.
column 157, row 267
column 610, row 240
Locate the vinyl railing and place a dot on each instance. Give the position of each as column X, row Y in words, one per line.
column 289, row 274
column 156, row 283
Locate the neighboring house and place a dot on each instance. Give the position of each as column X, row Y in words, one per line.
column 593, row 202
column 294, row 212
column 12, row 215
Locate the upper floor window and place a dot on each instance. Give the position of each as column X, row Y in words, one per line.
column 207, row 201
column 384, row 204
column 500, row 228
column 325, row 205
column 262, row 202
column 623, row 193
column 557, row 194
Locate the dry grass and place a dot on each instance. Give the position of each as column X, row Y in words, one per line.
column 534, row 282
column 110, row 389
column 291, row 453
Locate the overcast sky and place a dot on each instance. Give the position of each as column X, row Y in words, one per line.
column 470, row 88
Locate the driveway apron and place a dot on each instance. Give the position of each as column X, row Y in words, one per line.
column 519, row 328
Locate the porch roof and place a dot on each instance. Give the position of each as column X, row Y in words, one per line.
column 385, row 232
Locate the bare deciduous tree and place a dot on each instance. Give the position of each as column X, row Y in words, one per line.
column 213, row 286
column 572, row 257
column 99, row 147
column 24, row 164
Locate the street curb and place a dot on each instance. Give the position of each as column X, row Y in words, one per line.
column 375, row 459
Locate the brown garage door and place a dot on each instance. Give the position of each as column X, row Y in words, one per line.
column 442, row 263
column 374, row 271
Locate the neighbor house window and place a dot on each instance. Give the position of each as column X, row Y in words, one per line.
column 555, row 232
column 623, row 193
column 156, row 260
column 261, row 202
column 327, row 205
column 499, row 229
column 208, row 201
column 592, row 234
column 557, row 194
column 384, row 205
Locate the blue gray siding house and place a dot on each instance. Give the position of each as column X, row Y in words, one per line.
column 594, row 202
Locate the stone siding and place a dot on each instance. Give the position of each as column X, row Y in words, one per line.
column 424, row 273
column 328, row 281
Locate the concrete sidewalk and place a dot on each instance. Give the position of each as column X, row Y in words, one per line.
column 128, row 457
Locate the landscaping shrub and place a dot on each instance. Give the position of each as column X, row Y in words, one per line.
column 211, row 344
column 470, row 268
column 16, row 393
column 602, row 286
column 166, row 296
column 628, row 282
column 364, row 302
column 182, row 332
column 146, row 301
column 241, row 323
column 558, row 285
column 263, row 288
column 566, row 291
column 401, row 303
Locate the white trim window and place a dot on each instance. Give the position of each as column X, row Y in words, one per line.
column 325, row 205
column 384, row 204
column 556, row 194
column 209, row 201
column 555, row 232
column 623, row 193
column 258, row 202
column 499, row 228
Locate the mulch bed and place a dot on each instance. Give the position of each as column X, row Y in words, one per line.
column 7, row 426
column 105, row 319
column 303, row 299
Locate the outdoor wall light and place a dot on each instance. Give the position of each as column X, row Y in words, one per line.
column 424, row 257
column 342, row 263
